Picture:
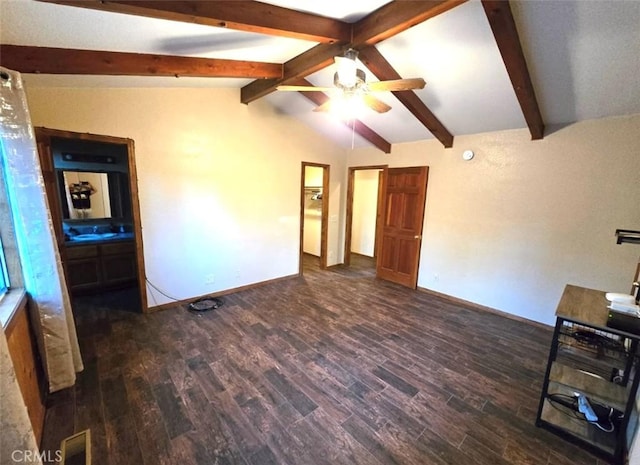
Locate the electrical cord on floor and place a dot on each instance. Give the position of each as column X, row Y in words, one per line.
column 202, row 304
column 160, row 291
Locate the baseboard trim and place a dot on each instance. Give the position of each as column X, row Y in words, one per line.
column 363, row 255
column 159, row 308
column 450, row 298
column 484, row 308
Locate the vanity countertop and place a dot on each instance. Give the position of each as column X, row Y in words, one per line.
column 97, row 238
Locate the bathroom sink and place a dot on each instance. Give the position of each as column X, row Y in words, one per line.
column 93, row 236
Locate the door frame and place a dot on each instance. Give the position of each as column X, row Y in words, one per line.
column 349, row 213
column 43, row 138
column 324, row 220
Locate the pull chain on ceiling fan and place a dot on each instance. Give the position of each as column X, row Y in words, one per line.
column 351, row 80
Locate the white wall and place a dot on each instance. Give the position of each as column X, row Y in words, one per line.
column 511, row 227
column 219, row 181
column 219, row 190
column 365, row 202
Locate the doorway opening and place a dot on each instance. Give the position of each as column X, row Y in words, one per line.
column 100, row 247
column 314, row 212
column 399, row 196
column 365, row 190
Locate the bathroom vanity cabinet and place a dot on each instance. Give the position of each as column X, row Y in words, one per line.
column 101, row 266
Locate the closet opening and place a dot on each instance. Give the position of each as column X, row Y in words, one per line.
column 314, row 211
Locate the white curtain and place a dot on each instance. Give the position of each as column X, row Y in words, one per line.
column 39, row 256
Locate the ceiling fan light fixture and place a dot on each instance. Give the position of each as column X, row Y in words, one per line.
column 349, row 81
column 347, row 107
column 348, row 76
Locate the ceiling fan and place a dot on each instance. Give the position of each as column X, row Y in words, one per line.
column 351, row 81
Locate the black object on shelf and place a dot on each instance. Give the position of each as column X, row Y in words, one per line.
column 624, row 321
column 627, row 235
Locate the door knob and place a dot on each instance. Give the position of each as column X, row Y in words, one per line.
column 417, row 237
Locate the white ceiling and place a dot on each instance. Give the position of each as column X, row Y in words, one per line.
column 583, row 56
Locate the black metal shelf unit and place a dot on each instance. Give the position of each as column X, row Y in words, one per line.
column 599, row 364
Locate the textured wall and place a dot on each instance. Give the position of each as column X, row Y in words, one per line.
column 511, row 227
column 507, row 229
column 219, row 181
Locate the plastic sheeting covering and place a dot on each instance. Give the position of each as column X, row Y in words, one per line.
column 43, row 275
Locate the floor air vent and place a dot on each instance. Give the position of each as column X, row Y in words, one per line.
column 76, row 449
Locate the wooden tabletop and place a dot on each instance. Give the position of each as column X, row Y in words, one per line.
column 583, row 305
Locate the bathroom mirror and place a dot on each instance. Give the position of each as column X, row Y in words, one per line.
column 86, row 195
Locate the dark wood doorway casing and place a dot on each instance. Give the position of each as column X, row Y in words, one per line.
column 401, row 237
column 324, row 225
column 349, row 213
column 43, row 138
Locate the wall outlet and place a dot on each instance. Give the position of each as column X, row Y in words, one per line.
column 209, row 279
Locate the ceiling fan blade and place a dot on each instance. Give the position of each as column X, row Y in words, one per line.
column 397, row 84
column 305, row 89
column 326, row 106
column 375, row 104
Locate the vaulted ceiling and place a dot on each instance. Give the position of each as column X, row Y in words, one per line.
column 489, row 65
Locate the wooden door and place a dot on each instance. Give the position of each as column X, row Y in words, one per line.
column 405, row 192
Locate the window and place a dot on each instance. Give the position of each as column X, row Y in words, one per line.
column 10, row 267
column 4, row 275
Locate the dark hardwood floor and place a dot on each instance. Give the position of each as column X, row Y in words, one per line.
column 331, row 368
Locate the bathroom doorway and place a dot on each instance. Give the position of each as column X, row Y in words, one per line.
column 363, row 218
column 314, row 211
column 100, row 256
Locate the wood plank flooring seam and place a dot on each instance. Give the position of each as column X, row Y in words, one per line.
column 335, row 367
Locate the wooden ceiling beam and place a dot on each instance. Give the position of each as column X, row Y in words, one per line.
column 395, row 17
column 383, row 70
column 319, row 98
column 383, row 23
column 240, row 15
column 312, row 60
column 369, row 134
column 506, row 35
column 45, row 60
